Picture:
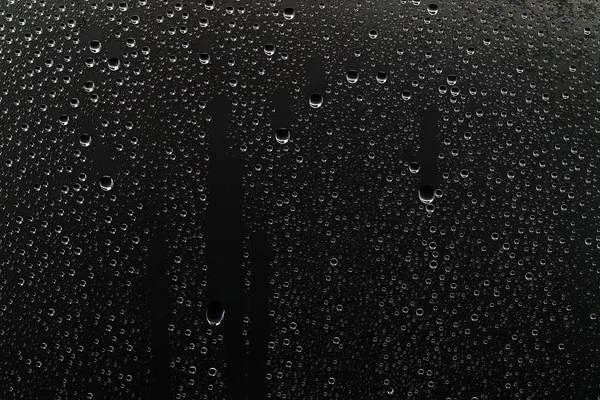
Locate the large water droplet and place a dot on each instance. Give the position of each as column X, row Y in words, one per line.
column 316, row 100
column 282, row 135
column 204, row 58
column 114, row 64
column 85, row 140
column 432, row 9
column 269, row 49
column 289, row 13
column 426, row 194
column 381, row 77
column 89, row 86
column 106, row 183
column 352, row 76
column 95, row 46
column 215, row 313
column 414, row 167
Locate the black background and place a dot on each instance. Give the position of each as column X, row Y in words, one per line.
column 336, row 281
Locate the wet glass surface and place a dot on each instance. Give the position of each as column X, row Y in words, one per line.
column 299, row 200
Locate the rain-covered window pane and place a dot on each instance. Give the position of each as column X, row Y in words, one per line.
column 299, row 200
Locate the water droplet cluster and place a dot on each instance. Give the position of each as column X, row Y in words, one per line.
column 426, row 173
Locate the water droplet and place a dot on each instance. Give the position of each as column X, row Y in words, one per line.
column 426, row 194
column 414, row 167
column 85, row 140
column 215, row 313
column 381, row 77
column 106, row 183
column 204, row 58
column 89, row 86
column 289, row 13
column 316, row 100
column 269, row 49
column 432, row 9
column 114, row 64
column 95, row 46
column 282, row 135
column 352, row 76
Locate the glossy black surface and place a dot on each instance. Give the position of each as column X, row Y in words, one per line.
column 299, row 200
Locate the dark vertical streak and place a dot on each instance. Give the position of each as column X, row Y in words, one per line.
column 160, row 312
column 316, row 83
column 224, row 232
column 260, row 256
column 429, row 149
column 282, row 117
